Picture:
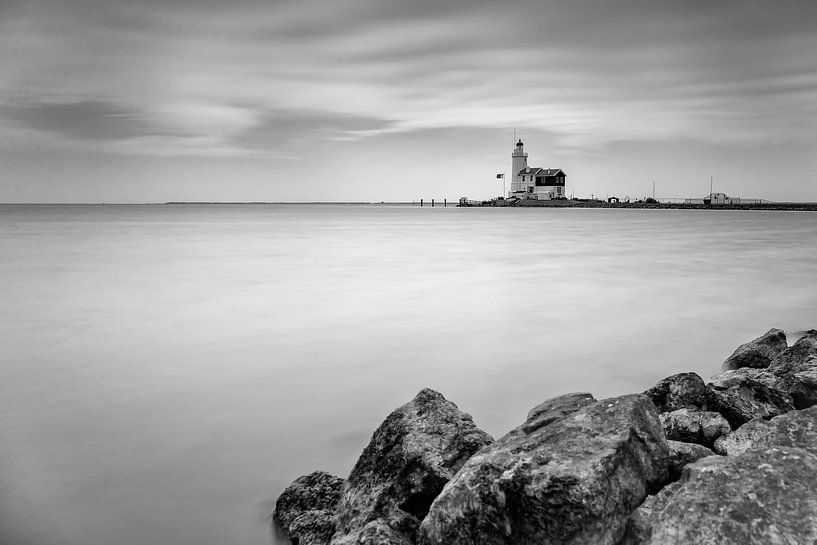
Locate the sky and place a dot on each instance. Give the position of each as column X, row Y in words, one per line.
column 370, row 100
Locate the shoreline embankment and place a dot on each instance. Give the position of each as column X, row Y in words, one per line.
column 785, row 206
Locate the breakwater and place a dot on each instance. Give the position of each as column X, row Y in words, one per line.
column 732, row 460
column 792, row 206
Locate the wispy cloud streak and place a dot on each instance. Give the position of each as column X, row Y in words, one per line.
column 212, row 75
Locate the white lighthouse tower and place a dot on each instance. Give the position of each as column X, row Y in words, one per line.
column 519, row 161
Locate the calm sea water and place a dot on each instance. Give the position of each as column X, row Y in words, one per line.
column 167, row 370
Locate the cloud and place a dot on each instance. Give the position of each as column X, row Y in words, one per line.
column 253, row 75
column 281, row 127
column 89, row 120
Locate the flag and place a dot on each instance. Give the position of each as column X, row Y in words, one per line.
column 500, row 176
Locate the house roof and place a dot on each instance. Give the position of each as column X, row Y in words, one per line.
column 540, row 170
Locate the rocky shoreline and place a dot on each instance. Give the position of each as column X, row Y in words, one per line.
column 729, row 461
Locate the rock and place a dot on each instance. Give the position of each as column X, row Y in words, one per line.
column 681, row 391
column 681, row 454
column 381, row 532
column 639, row 524
column 794, row 429
column 757, row 353
column 796, row 354
column 761, row 496
column 802, row 385
column 411, row 456
column 313, row 496
column 691, row 426
column 744, row 394
column 554, row 409
column 796, row 370
column 314, row 527
column 572, row 481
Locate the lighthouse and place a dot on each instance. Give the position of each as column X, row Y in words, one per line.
column 519, row 162
column 534, row 182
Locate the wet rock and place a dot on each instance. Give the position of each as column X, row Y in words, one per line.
column 572, row 481
column 682, row 454
column 411, row 456
column 796, row 370
column 757, row 353
column 761, row 496
column 744, row 394
column 314, row 498
column 681, row 391
column 691, row 426
column 794, row 429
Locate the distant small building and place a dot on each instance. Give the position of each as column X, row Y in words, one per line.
column 534, row 182
column 720, row 199
column 613, row 199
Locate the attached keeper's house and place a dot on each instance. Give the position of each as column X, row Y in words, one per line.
column 534, row 182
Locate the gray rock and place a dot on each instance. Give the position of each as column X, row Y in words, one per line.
column 314, row 497
column 640, row 522
column 381, row 532
column 757, row 353
column 682, row 454
column 800, row 351
column 573, row 481
column 763, row 496
column 794, row 429
column 681, row 391
column 554, row 409
column 691, row 426
column 414, row 452
column 313, row 527
column 802, row 385
column 744, row 394
column 796, row 370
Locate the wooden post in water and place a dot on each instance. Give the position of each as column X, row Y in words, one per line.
column 432, row 203
column 445, row 203
column 421, row 203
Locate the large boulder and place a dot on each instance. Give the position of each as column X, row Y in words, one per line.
column 414, row 452
column 681, row 391
column 691, row 426
column 801, row 385
column 572, row 481
column 794, row 429
column 759, row 497
column 640, row 522
column 314, row 527
column 796, row 370
column 305, row 509
column 744, row 394
column 554, row 409
column 800, row 351
column 757, row 353
column 682, row 454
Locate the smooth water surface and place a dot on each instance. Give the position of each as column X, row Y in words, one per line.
column 165, row 371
